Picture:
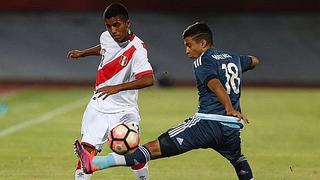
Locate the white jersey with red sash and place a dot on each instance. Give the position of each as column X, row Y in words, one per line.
column 120, row 63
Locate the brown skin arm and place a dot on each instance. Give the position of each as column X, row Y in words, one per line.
column 142, row 82
column 216, row 86
column 255, row 62
column 87, row 52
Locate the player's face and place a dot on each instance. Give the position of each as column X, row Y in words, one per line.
column 193, row 48
column 118, row 28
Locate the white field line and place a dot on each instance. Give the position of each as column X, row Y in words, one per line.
column 43, row 118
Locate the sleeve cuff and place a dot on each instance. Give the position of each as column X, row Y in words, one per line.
column 213, row 76
column 137, row 76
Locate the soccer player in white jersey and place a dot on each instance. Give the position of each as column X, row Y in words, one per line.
column 124, row 69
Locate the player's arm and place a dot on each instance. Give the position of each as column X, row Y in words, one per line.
column 216, row 86
column 142, row 82
column 248, row 62
column 86, row 52
column 254, row 62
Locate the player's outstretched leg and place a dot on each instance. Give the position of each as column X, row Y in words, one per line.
column 242, row 168
column 92, row 163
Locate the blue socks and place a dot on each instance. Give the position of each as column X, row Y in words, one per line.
column 243, row 169
column 141, row 155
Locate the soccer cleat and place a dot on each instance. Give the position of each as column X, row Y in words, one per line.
column 85, row 158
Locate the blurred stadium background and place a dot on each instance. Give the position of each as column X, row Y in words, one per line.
column 35, row 36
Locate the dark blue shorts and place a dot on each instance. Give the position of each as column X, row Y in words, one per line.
column 195, row 133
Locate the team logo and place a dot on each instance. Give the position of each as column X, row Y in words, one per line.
column 135, row 162
column 180, row 140
column 123, row 60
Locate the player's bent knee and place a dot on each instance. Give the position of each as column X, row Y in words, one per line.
column 154, row 149
column 167, row 146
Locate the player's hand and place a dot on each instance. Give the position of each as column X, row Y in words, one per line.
column 107, row 91
column 75, row 54
column 238, row 115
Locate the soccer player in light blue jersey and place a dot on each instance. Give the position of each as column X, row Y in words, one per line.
column 218, row 121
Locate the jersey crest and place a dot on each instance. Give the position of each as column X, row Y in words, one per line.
column 123, row 60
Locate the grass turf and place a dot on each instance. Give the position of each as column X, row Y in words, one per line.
column 282, row 141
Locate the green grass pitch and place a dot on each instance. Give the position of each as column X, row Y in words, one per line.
column 282, row 142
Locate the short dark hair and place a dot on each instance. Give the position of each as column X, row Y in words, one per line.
column 116, row 9
column 199, row 31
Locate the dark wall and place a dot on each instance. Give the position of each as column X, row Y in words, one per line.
column 168, row 5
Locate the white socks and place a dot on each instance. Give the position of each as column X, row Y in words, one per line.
column 142, row 174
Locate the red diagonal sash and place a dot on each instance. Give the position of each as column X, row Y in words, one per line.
column 115, row 66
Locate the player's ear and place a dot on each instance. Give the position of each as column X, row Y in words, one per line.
column 203, row 43
column 128, row 23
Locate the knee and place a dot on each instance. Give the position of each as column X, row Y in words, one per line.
column 154, row 149
column 167, row 147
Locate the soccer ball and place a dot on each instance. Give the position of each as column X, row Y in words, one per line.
column 124, row 139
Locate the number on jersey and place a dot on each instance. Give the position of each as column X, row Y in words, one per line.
column 232, row 75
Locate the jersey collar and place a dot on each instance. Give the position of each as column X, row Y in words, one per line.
column 132, row 37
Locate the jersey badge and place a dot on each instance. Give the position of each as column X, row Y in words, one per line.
column 123, row 60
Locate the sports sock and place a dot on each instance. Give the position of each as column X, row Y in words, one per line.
column 141, row 171
column 243, row 169
column 141, row 155
column 104, row 162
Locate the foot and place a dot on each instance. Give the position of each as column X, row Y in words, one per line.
column 85, row 158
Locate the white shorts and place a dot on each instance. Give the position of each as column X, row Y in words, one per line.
column 96, row 125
